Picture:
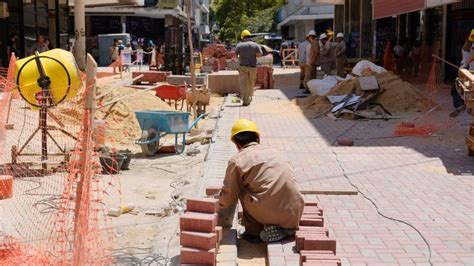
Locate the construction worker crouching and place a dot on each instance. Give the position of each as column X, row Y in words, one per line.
column 264, row 183
column 247, row 51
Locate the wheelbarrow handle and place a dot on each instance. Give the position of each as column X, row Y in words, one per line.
column 196, row 121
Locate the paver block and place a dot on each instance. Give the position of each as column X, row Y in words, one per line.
column 312, row 221
column 198, row 222
column 219, row 232
column 319, row 243
column 213, row 190
column 198, row 240
column 204, row 205
column 6, row 186
column 198, row 256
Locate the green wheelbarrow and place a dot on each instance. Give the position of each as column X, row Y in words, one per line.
column 157, row 124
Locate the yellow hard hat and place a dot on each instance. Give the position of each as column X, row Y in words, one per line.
column 471, row 37
column 245, row 33
column 244, row 125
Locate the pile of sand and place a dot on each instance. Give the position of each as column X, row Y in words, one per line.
column 397, row 95
column 122, row 128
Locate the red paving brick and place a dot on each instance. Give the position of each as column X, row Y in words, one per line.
column 424, row 181
column 203, row 205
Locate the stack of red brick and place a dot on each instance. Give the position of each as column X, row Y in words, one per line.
column 200, row 235
column 265, row 77
column 312, row 239
column 151, row 76
column 216, row 55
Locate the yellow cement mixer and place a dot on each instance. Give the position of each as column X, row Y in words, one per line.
column 63, row 77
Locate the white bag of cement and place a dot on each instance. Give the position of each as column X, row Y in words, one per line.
column 364, row 64
column 322, row 86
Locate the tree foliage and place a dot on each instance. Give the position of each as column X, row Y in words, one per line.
column 233, row 16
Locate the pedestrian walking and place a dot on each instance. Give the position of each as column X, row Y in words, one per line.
column 247, row 52
column 340, row 54
column 114, row 54
column 302, row 60
column 312, row 55
column 266, row 186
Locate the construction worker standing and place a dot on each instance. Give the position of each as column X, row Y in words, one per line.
column 264, row 183
column 312, row 54
column 302, row 60
column 340, row 54
column 247, row 51
column 327, row 54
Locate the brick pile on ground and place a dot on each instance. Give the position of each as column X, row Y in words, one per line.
column 199, row 233
column 216, row 56
column 312, row 238
column 311, row 244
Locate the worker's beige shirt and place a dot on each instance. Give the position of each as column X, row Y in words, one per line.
column 340, row 50
column 314, row 53
column 266, row 186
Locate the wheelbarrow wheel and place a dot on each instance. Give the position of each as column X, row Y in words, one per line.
column 151, row 148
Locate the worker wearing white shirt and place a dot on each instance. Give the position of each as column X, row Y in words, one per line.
column 302, row 60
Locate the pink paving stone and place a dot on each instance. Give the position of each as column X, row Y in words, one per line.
column 402, row 185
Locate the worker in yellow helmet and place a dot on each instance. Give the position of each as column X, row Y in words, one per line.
column 264, row 183
column 247, row 51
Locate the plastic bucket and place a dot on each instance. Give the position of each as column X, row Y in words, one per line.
column 128, row 159
column 112, row 164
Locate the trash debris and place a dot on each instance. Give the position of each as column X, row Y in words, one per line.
column 117, row 211
column 193, row 150
column 359, row 96
column 345, row 142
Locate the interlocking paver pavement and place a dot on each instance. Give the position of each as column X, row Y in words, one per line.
column 425, row 182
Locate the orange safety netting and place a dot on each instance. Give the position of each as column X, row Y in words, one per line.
column 57, row 214
column 428, row 122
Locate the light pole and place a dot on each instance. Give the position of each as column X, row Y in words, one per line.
column 80, row 33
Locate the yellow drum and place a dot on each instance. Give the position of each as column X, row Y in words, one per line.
column 61, row 68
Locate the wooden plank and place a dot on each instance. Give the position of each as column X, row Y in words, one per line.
column 329, row 192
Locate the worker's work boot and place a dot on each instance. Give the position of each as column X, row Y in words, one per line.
column 274, row 233
column 458, row 110
column 254, row 239
column 302, row 87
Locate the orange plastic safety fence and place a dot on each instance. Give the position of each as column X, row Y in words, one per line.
column 57, row 213
column 428, row 122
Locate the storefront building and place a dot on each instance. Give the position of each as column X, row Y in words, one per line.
column 30, row 18
column 439, row 26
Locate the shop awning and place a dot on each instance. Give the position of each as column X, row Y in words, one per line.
column 294, row 18
column 334, row 2
column 389, row 8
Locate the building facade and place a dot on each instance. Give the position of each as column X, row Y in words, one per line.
column 54, row 19
column 29, row 18
column 298, row 17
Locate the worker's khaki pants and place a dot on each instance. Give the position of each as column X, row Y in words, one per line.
column 340, row 62
column 302, row 72
column 310, row 73
column 247, row 77
column 326, row 68
column 251, row 225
